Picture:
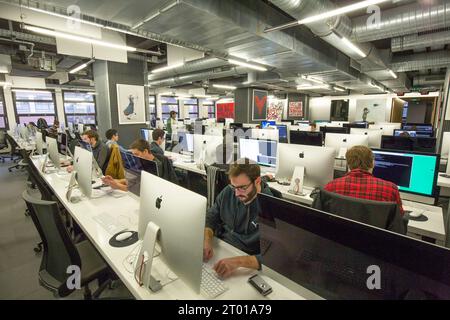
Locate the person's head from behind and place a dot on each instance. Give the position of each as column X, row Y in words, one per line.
column 112, row 135
column 158, row 136
column 91, row 137
column 313, row 126
column 173, row 114
column 245, row 179
column 141, row 148
column 360, row 157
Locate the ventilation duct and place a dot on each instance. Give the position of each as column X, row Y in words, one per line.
column 426, row 60
column 429, row 80
column 415, row 41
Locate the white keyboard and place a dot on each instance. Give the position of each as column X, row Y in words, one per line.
column 211, row 286
column 109, row 223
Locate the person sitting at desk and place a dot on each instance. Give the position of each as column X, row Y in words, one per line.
column 360, row 183
column 112, row 137
column 234, row 216
column 99, row 150
column 158, row 137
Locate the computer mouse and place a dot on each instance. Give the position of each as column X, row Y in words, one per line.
column 415, row 214
column 124, row 236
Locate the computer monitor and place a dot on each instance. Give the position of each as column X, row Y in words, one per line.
column 80, row 128
column 306, row 138
column 53, row 154
column 374, row 136
column 405, row 133
column 336, row 258
column 181, row 246
column 236, row 125
column 24, row 133
column 63, row 143
column 356, row 125
column 412, row 172
column 137, row 164
column 146, row 134
column 263, row 152
column 387, row 128
column 206, row 149
column 282, row 133
column 266, row 124
column 419, row 144
column 39, row 143
column 317, row 161
column 82, row 164
column 445, row 145
column 422, row 129
column 185, row 142
column 345, row 141
column 270, row 134
column 327, row 129
column 214, row 131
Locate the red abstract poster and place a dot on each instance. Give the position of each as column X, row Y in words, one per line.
column 225, row 110
column 295, row 109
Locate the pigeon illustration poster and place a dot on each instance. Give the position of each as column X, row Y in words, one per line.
column 131, row 104
column 259, row 105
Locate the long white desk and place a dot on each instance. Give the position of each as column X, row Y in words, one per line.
column 126, row 209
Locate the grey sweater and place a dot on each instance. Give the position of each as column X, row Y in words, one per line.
column 236, row 223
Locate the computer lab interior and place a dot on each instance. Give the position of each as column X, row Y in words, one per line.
column 224, row 149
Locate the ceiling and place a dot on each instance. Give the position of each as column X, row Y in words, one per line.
column 231, row 27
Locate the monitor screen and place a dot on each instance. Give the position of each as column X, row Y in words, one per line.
column 326, row 130
column 306, row 138
column 266, row 124
column 338, row 258
column 405, row 133
column 358, row 125
column 422, row 129
column 264, row 152
column 282, row 133
column 412, row 172
column 186, row 141
column 145, row 134
column 419, row 144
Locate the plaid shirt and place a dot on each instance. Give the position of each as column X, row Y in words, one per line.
column 362, row 184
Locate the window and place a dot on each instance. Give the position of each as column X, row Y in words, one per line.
column 152, row 108
column 31, row 105
column 3, row 117
column 169, row 104
column 79, row 107
column 210, row 104
column 192, row 107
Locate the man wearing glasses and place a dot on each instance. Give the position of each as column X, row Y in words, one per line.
column 234, row 216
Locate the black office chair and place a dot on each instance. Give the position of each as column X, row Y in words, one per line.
column 15, row 154
column 385, row 215
column 216, row 181
column 60, row 253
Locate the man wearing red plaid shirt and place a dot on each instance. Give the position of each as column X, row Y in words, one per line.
column 360, row 183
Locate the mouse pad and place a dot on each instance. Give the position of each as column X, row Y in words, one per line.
column 121, row 244
column 420, row 218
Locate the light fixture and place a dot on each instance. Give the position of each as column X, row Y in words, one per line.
column 247, row 65
column 376, row 86
column 30, row 91
column 91, row 93
column 81, row 66
column 393, row 74
column 353, row 47
column 77, row 38
column 328, row 14
column 173, row 66
column 338, row 89
column 223, row 86
column 313, row 80
column 308, row 87
column 157, row 13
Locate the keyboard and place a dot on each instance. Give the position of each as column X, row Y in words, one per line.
column 211, row 286
column 109, row 223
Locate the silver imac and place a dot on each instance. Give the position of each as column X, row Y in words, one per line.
column 83, row 166
column 39, row 143
column 317, row 161
column 205, row 148
column 53, row 154
column 374, row 136
column 181, row 226
column 339, row 142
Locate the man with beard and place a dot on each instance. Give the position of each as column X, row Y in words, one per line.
column 234, row 218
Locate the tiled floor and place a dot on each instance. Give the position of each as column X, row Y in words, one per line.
column 19, row 264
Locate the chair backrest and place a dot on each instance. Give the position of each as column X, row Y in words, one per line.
column 59, row 251
column 385, row 215
column 3, row 143
column 216, row 180
column 12, row 143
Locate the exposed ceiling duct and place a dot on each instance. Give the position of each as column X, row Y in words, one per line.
column 403, row 20
column 416, row 41
column 419, row 61
column 332, row 30
column 429, row 80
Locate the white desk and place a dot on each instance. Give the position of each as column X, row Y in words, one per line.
column 306, row 199
column 126, row 210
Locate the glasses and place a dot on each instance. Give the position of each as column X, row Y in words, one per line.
column 241, row 188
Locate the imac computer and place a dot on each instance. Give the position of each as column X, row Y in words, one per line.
column 413, row 172
column 269, row 134
column 133, row 167
column 283, row 133
column 53, row 154
column 146, row 134
column 326, row 129
column 342, row 142
column 267, row 124
column 405, row 133
column 181, row 246
column 236, row 125
column 387, row 128
column 24, row 134
column 208, row 149
column 263, row 152
column 214, row 131
column 39, row 143
column 185, row 142
column 356, row 125
column 317, row 161
column 333, row 257
column 306, row 138
column 445, row 149
column 373, row 134
column 82, row 173
column 419, row 144
column 422, row 129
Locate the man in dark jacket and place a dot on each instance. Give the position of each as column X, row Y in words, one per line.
column 100, row 151
column 158, row 137
column 234, row 218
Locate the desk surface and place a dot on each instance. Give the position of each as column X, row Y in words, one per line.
column 125, row 208
column 433, row 228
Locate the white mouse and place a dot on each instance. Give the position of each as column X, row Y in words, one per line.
column 124, row 236
column 415, row 214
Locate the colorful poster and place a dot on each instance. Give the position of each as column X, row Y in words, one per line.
column 225, row 110
column 276, row 109
column 295, row 109
column 259, row 105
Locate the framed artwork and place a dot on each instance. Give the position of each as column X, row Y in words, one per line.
column 131, row 104
column 295, row 109
column 259, row 105
column 276, row 109
column 225, row 110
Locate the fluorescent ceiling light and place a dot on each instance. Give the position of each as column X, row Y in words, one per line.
column 340, row 11
column 353, row 47
column 313, row 80
column 30, row 91
column 5, row 84
column 339, row 89
column 393, row 74
column 223, row 86
column 63, row 16
column 247, row 65
column 91, row 93
column 173, row 66
column 307, row 87
column 77, row 38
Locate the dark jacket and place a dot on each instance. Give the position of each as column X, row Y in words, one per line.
column 101, row 154
column 166, row 170
column 236, row 223
column 156, row 149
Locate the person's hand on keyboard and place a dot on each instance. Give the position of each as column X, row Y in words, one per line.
column 227, row 266
column 208, row 251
